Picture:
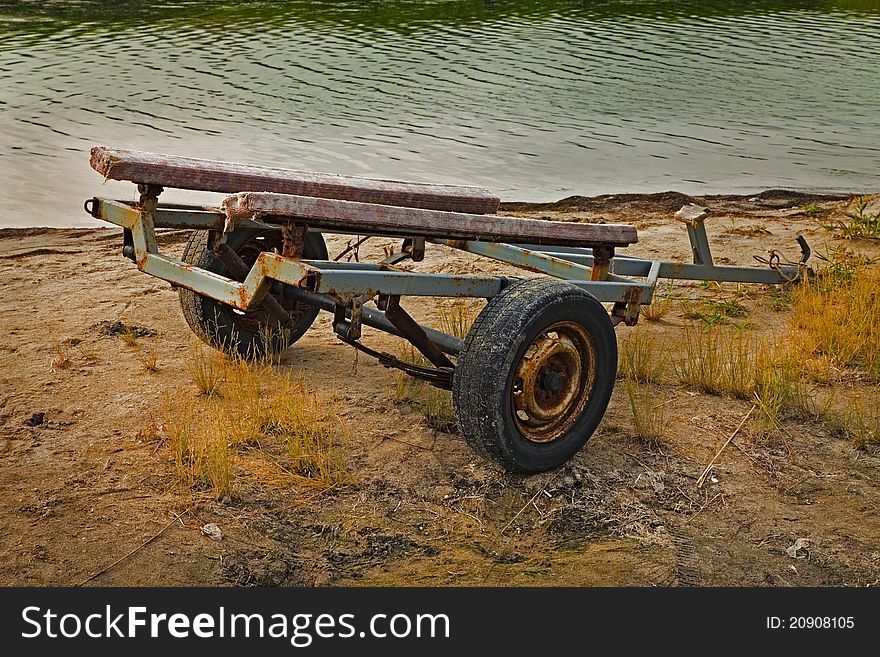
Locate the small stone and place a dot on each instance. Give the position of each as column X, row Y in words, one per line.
column 36, row 420
column 794, row 549
column 212, row 531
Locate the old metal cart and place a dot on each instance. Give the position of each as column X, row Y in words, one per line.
column 533, row 377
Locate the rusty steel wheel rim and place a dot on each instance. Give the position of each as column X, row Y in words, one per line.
column 553, row 382
column 255, row 319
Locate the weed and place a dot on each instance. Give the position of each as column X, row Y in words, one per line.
column 813, row 209
column 836, row 319
column 129, row 337
column 640, row 360
column 434, row 404
column 219, row 461
column 262, row 413
column 180, row 418
column 456, row 318
column 714, row 286
column 205, row 367
column 717, row 363
column 273, row 340
column 711, row 313
column 857, row 422
column 840, row 266
column 774, row 381
column 88, row 354
column 307, row 426
column 861, row 224
column 781, row 298
column 649, row 412
column 656, row 310
column 150, row 432
column 749, row 231
column 61, row 359
column 149, row 360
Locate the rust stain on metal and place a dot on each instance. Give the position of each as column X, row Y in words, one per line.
column 242, row 296
column 633, row 295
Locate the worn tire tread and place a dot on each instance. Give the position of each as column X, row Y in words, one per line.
column 492, row 336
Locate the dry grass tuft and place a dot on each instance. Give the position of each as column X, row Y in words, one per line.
column 748, row 231
column 717, row 362
column 858, row 422
column 257, row 419
column 774, row 387
column 61, row 357
column 640, row 360
column 149, row 360
column 650, row 411
column 205, row 367
column 659, row 307
column 87, row 353
column 836, row 321
column 150, row 432
column 434, row 404
column 129, row 337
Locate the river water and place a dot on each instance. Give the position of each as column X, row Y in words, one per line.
column 535, row 100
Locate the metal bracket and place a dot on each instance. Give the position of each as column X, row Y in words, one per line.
column 806, row 251
column 347, row 319
column 627, row 311
column 693, row 215
column 414, row 247
column 602, row 256
column 294, row 240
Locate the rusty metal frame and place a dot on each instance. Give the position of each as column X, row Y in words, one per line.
column 624, row 281
column 342, row 281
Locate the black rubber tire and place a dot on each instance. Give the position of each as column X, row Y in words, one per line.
column 223, row 327
column 484, row 376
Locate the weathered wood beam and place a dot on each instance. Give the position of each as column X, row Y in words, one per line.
column 230, row 177
column 408, row 222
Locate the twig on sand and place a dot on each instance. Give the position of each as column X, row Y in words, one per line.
column 525, row 506
column 137, row 549
column 702, row 479
column 700, row 510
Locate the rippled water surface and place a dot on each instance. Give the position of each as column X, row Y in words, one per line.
column 536, row 100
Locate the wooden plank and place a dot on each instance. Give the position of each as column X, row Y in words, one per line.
column 408, row 222
column 231, row 177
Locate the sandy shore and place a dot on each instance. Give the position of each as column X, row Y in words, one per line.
column 82, row 489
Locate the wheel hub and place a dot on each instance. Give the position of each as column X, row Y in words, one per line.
column 553, row 382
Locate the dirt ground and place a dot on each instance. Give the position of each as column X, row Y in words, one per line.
column 83, row 494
